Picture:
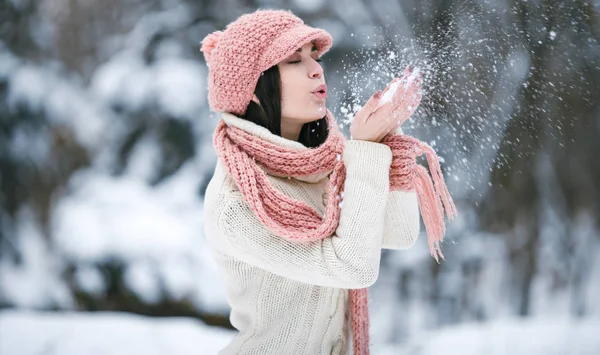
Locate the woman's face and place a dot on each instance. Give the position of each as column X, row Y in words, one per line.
column 301, row 75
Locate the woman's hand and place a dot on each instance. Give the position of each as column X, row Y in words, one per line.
column 373, row 122
column 409, row 89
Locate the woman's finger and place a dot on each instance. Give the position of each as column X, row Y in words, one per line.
column 385, row 118
column 411, row 92
column 371, row 104
column 405, row 97
column 403, row 112
column 387, row 87
column 373, row 101
column 400, row 116
column 404, row 76
column 384, row 109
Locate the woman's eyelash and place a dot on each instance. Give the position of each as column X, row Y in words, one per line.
column 298, row 61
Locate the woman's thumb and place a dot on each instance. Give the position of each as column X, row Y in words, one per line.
column 373, row 101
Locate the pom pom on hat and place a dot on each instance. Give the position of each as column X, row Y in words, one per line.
column 209, row 42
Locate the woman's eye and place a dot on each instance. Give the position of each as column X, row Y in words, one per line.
column 298, row 61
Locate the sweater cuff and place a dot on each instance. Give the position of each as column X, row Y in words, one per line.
column 367, row 157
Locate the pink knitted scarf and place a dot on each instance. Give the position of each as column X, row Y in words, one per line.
column 246, row 157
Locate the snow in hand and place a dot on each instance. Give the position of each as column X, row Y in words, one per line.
column 389, row 93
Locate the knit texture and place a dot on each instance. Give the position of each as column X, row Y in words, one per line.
column 406, row 175
column 290, row 297
column 247, row 47
column 242, row 155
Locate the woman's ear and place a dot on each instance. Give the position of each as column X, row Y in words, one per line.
column 255, row 99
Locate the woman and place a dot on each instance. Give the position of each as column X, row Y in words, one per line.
column 296, row 215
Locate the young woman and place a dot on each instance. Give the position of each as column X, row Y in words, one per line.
column 296, row 214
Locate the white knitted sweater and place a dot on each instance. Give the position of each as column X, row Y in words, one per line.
column 291, row 298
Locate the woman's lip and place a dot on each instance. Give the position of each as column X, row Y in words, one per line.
column 322, row 87
column 320, row 95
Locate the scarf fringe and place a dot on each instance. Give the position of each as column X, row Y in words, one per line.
column 429, row 195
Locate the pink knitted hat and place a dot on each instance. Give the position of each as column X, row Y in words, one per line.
column 253, row 43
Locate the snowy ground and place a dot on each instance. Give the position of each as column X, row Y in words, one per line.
column 509, row 337
column 103, row 333
column 34, row 333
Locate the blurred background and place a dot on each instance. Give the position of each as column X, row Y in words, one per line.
column 105, row 153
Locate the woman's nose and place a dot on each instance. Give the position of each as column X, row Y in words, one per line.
column 316, row 71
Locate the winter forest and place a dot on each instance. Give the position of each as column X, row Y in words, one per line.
column 106, row 150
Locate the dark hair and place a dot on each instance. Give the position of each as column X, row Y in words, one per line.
column 268, row 114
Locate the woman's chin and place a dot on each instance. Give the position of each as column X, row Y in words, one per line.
column 321, row 109
column 309, row 114
column 318, row 115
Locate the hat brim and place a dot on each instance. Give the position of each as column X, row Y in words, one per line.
column 286, row 44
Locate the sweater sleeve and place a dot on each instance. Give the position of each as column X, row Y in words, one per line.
column 347, row 259
column 402, row 220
